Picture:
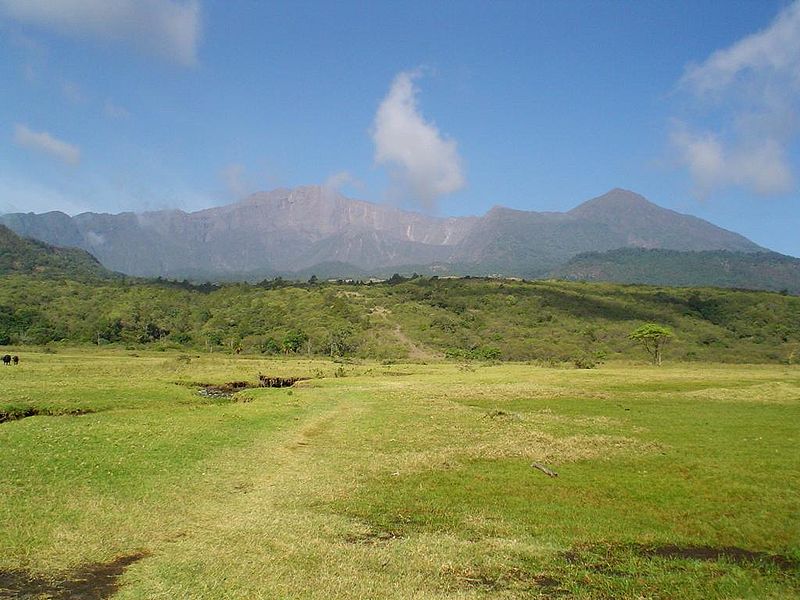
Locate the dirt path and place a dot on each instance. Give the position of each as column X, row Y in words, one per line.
column 415, row 352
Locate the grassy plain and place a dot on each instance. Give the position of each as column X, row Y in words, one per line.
column 397, row 480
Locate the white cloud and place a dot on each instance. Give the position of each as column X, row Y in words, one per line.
column 168, row 28
column 776, row 49
column 115, row 111
column 702, row 154
column 44, row 142
column 235, row 180
column 753, row 89
column 761, row 166
column 421, row 160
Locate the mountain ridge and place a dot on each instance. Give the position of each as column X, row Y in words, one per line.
column 292, row 230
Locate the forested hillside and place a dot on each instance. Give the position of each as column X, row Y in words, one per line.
column 752, row 270
column 21, row 255
column 420, row 318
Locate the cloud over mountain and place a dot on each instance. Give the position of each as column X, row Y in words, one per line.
column 753, row 89
column 422, row 161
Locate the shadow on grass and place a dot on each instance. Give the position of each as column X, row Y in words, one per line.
column 15, row 413
column 602, row 569
column 603, row 558
column 91, row 582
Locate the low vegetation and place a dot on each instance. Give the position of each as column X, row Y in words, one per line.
column 369, row 480
column 420, row 318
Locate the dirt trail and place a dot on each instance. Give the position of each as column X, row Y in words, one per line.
column 415, row 352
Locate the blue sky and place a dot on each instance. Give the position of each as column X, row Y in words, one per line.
column 447, row 107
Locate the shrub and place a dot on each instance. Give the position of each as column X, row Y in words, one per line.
column 584, row 362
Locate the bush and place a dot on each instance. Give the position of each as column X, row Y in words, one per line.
column 270, row 346
column 584, row 362
column 481, row 353
column 294, row 340
column 182, row 338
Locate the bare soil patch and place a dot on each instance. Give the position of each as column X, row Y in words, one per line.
column 520, row 580
column 223, row 390
column 94, row 581
column 415, row 351
column 227, row 390
column 278, row 382
column 372, row 538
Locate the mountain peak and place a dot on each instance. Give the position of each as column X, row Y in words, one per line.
column 613, row 200
column 648, row 225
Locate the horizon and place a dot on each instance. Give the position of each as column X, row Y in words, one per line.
column 336, row 191
column 190, row 104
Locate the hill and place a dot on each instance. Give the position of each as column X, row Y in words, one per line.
column 754, row 270
column 424, row 318
column 19, row 255
column 286, row 232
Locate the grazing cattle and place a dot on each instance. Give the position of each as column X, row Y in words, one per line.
column 6, row 359
column 15, row 359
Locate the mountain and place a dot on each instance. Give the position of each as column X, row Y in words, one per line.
column 284, row 232
column 720, row 268
column 643, row 224
column 530, row 243
column 20, row 255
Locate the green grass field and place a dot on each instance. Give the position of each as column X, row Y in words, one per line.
column 396, row 481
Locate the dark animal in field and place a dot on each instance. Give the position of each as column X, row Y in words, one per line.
column 15, row 359
column 6, row 359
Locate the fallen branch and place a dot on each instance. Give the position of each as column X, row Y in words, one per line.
column 545, row 470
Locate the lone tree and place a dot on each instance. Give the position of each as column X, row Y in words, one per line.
column 340, row 341
column 653, row 337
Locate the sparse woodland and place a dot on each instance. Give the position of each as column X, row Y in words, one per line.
column 463, row 319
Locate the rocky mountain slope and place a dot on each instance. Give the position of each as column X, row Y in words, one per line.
column 289, row 231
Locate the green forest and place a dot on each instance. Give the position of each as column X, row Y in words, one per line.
column 419, row 318
column 719, row 268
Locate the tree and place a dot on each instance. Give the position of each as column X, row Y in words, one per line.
column 653, row 337
column 340, row 341
column 293, row 341
column 270, row 346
